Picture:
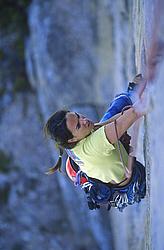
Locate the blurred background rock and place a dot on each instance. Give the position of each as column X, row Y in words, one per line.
column 78, row 55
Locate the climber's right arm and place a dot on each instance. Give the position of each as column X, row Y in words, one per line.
column 123, row 122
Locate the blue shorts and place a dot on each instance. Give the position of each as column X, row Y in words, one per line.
column 120, row 101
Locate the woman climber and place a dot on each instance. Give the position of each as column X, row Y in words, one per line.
column 101, row 150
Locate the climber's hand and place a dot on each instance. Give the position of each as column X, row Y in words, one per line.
column 142, row 106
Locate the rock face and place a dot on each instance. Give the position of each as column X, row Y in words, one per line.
column 78, row 55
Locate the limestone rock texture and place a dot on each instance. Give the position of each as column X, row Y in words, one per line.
column 79, row 55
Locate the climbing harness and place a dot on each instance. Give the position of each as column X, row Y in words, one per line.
column 100, row 194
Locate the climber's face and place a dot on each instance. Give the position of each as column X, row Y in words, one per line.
column 79, row 126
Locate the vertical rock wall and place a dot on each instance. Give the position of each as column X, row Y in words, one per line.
column 79, row 54
column 142, row 226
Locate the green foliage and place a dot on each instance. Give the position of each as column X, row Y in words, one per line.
column 13, row 14
column 19, row 46
column 21, row 84
column 4, row 193
column 18, row 246
column 13, row 22
column 5, row 160
column 2, row 55
column 2, row 91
